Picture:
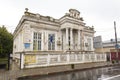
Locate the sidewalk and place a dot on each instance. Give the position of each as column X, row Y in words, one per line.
column 15, row 72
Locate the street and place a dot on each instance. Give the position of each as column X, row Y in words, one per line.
column 107, row 73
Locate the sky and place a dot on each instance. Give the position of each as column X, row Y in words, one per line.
column 98, row 13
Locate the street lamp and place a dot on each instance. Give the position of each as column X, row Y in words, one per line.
column 116, row 45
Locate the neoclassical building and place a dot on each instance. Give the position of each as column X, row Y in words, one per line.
column 43, row 33
column 43, row 40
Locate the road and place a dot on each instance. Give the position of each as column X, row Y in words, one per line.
column 107, row 73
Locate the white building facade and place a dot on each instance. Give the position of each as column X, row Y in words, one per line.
column 36, row 35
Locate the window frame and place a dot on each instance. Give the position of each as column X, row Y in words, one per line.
column 51, row 45
column 37, row 41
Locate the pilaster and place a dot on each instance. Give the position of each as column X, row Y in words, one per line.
column 66, row 38
column 71, row 37
column 78, row 39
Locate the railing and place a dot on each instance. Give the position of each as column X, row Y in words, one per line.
column 29, row 60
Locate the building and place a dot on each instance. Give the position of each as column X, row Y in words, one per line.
column 105, row 46
column 110, row 44
column 37, row 35
column 98, row 45
column 108, row 47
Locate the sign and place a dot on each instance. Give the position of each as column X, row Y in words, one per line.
column 27, row 45
column 30, row 59
column 117, row 46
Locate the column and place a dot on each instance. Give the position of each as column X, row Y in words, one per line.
column 48, row 59
column 66, row 38
column 43, row 41
column 78, row 39
column 76, row 57
column 59, row 58
column 71, row 38
column 82, row 40
column 68, row 57
column 21, row 60
column 83, row 57
column 60, row 47
column 92, row 44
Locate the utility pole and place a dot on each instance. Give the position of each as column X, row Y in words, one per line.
column 116, row 45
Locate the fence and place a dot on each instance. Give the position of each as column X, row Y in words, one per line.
column 29, row 60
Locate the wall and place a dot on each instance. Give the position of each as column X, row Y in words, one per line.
column 30, row 60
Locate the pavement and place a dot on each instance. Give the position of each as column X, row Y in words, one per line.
column 15, row 71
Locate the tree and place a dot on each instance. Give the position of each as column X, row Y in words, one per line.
column 6, row 42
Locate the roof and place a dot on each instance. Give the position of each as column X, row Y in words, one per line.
column 111, row 40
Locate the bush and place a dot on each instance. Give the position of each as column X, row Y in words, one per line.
column 113, row 61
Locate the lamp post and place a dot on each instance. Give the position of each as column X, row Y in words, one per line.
column 9, row 61
column 116, row 45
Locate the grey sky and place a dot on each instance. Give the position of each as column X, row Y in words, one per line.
column 99, row 13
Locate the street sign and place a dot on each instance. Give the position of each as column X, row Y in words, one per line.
column 117, row 46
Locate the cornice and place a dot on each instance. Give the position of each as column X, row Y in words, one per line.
column 44, row 22
column 89, row 31
column 44, row 28
column 70, row 18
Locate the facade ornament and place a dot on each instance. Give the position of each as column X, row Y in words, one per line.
column 81, row 18
column 26, row 9
column 58, row 41
column 74, row 13
column 92, row 28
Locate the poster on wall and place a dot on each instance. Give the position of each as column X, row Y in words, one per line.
column 30, row 59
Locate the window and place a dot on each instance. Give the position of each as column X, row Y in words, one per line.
column 51, row 41
column 37, row 41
